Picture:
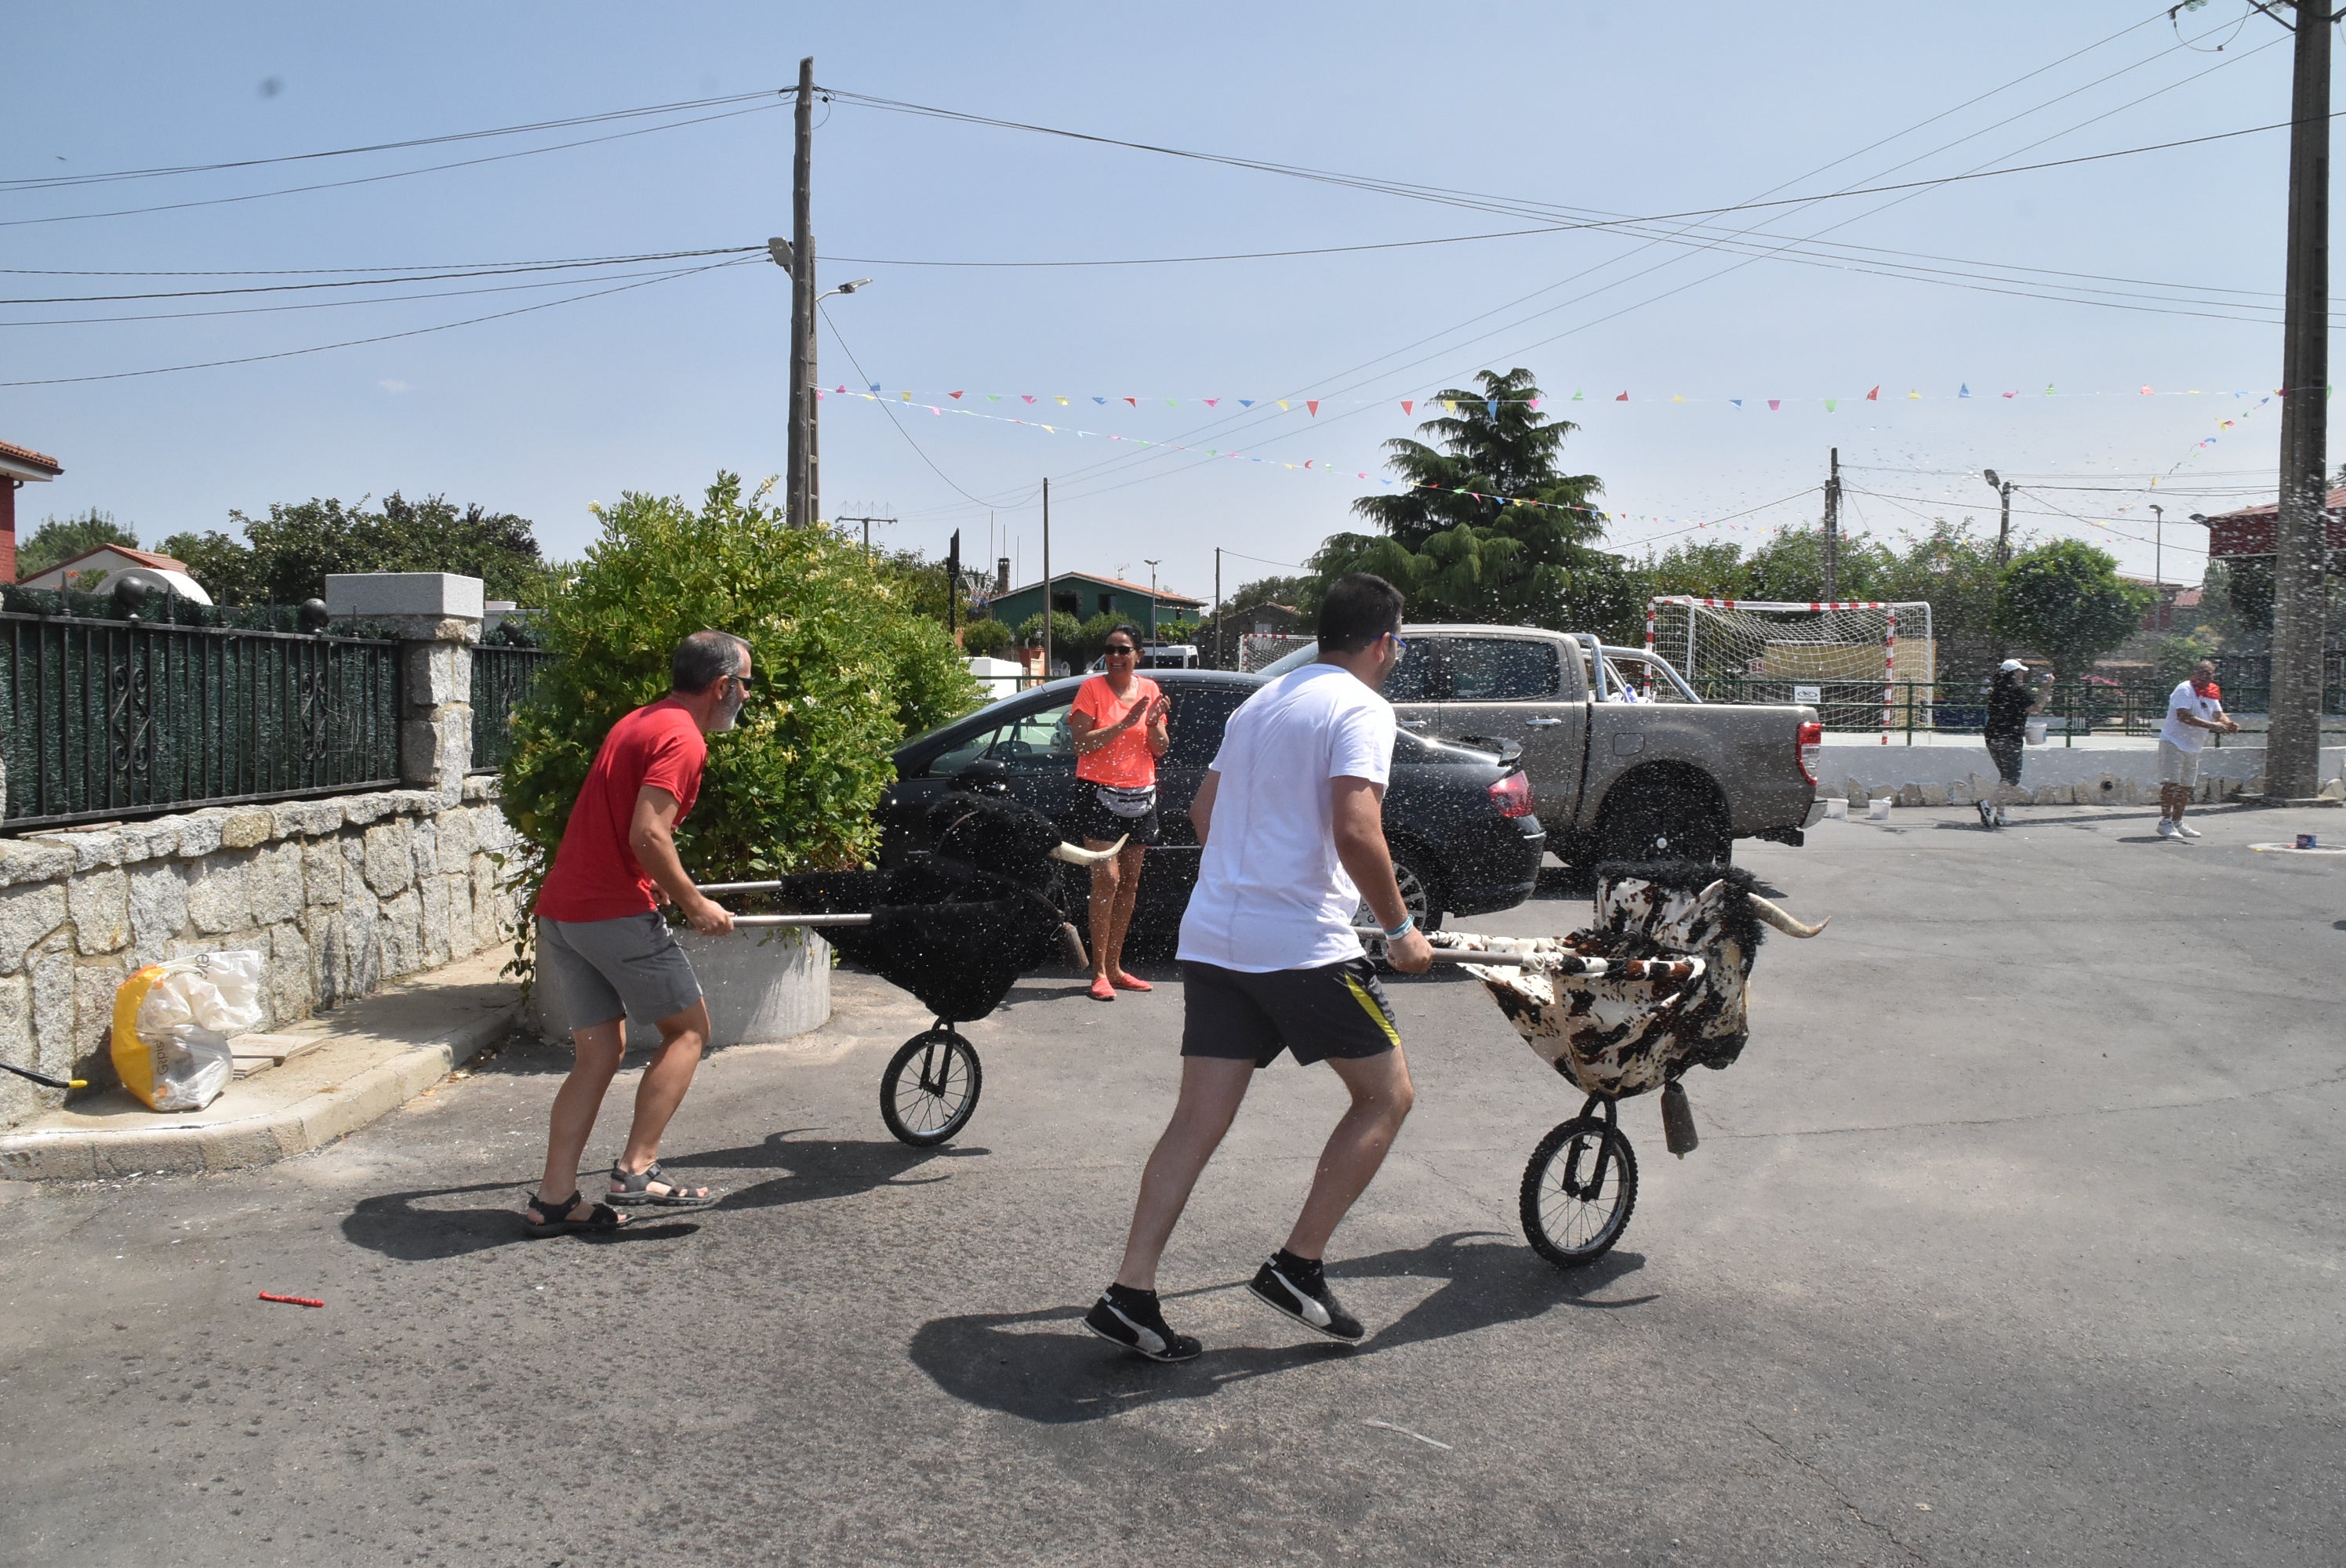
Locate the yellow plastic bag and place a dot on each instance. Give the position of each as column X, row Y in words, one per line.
column 171, row 1025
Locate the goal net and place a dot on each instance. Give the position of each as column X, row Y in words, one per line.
column 1864, row 665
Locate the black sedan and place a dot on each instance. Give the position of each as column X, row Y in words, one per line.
column 1459, row 818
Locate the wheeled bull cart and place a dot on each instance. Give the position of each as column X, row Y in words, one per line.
column 957, row 930
column 1654, row 987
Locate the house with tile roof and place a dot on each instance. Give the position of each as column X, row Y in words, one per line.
column 93, row 567
column 19, row 466
column 1085, row 594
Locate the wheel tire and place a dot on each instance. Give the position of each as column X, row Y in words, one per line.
column 1663, row 824
column 1558, row 1220
column 942, row 1096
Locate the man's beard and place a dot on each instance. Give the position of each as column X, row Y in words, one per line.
column 728, row 712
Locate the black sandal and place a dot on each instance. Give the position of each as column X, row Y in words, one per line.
column 635, row 1187
column 553, row 1219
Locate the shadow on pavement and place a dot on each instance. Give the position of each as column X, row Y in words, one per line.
column 1043, row 1367
column 429, row 1224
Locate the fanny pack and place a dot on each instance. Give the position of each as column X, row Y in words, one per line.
column 1127, row 803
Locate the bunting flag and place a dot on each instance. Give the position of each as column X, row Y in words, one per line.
column 1405, row 405
column 1314, row 406
column 1876, row 395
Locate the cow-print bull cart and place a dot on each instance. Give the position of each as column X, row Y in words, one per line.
column 1656, row 986
column 956, row 929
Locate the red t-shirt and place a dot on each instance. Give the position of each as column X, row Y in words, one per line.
column 596, row 875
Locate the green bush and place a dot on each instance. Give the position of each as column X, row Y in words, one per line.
column 987, row 638
column 841, row 674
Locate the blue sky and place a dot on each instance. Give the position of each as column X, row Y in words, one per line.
column 1623, row 111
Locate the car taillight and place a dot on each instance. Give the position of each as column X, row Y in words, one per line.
column 1812, row 742
column 1512, row 796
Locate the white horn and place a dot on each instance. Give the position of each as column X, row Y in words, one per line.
column 1782, row 921
column 1075, row 857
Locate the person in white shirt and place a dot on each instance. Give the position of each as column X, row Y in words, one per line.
column 2194, row 709
column 1292, row 819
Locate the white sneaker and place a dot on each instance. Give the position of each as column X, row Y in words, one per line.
column 2187, row 830
column 2166, row 826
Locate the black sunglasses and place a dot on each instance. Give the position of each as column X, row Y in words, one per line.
column 1125, row 648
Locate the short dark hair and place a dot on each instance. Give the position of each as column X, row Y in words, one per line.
column 1361, row 607
column 703, row 659
column 1128, row 629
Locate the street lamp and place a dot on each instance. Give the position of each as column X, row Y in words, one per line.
column 2003, row 489
column 1152, row 597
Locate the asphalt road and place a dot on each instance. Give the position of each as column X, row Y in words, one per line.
column 2016, row 1234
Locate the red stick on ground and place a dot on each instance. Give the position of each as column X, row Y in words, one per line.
column 293, row 1300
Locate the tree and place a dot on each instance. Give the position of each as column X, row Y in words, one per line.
column 1704, row 569
column 987, row 638
column 1459, row 535
column 843, row 673
column 59, row 539
column 2066, row 598
column 1791, row 566
column 285, row 556
column 1955, row 571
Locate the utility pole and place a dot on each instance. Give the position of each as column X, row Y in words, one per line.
column 813, row 398
column 1833, row 530
column 1218, row 606
column 2004, row 488
column 2158, row 564
column 953, row 582
column 2300, row 543
column 796, row 489
column 867, row 522
column 1046, row 579
column 1152, row 597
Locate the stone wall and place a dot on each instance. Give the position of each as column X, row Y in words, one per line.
column 2051, row 774
column 340, row 894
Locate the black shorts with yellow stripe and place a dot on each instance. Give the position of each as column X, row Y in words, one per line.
column 1336, row 1010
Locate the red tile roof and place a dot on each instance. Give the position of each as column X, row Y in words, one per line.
column 144, row 557
column 27, row 456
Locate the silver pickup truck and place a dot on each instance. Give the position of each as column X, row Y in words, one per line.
column 1625, row 761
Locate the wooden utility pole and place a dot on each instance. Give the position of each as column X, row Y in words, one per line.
column 2300, row 543
column 1217, row 607
column 953, row 584
column 796, row 489
column 813, row 397
column 1046, row 579
column 1833, row 530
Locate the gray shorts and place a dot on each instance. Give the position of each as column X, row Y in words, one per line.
column 2176, row 766
column 599, row 970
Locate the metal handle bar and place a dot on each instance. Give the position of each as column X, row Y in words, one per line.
column 803, row 919
column 737, row 887
column 1456, row 954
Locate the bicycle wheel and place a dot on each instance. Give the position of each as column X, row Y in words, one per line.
column 930, row 1089
column 1578, row 1190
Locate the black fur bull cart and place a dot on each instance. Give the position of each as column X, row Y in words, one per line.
column 956, row 929
column 1656, row 985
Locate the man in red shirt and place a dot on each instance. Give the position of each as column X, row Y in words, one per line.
column 605, row 953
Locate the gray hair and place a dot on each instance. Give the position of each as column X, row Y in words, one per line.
column 704, row 659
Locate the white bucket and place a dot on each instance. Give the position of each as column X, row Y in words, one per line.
column 2035, row 732
column 1836, row 806
column 1878, row 810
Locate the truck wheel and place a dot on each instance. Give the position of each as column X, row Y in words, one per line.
column 1663, row 824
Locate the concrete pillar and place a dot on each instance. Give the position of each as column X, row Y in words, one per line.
column 437, row 617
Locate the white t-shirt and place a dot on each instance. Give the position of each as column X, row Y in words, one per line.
column 2180, row 735
column 1272, row 893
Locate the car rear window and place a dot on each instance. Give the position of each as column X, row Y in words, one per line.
column 1501, row 669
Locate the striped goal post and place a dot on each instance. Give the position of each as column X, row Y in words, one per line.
column 1809, row 647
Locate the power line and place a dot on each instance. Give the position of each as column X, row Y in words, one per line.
column 61, row 181
column 379, row 338
column 485, row 272
column 840, row 339
column 377, row 179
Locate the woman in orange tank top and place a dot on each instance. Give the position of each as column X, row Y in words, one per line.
column 1118, row 723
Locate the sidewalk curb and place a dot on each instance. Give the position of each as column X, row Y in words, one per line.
column 309, row 1122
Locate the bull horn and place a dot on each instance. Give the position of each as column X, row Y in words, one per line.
column 1075, row 856
column 1782, row 921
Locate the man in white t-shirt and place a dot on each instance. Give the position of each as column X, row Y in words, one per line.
column 2194, row 709
column 1292, row 819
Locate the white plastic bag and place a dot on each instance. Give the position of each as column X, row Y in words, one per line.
column 172, row 1023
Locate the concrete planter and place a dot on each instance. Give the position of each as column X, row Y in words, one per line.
column 762, row 986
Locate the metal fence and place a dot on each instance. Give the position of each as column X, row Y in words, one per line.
column 1911, row 707
column 108, row 719
column 503, row 679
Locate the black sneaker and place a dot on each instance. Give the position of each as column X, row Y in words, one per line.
column 1131, row 1319
column 1308, row 1301
column 1987, row 814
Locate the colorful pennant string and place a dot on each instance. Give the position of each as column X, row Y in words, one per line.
column 1409, row 406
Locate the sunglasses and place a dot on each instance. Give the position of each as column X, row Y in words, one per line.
column 1120, row 650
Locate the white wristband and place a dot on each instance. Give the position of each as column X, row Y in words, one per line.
column 1402, row 929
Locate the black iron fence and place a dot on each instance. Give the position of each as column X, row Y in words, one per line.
column 503, row 679
column 1909, row 708
column 110, row 720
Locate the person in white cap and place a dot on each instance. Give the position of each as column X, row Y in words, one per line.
column 2009, row 704
column 2193, row 709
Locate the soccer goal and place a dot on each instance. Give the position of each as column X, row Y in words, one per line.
column 1862, row 664
column 1257, row 649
